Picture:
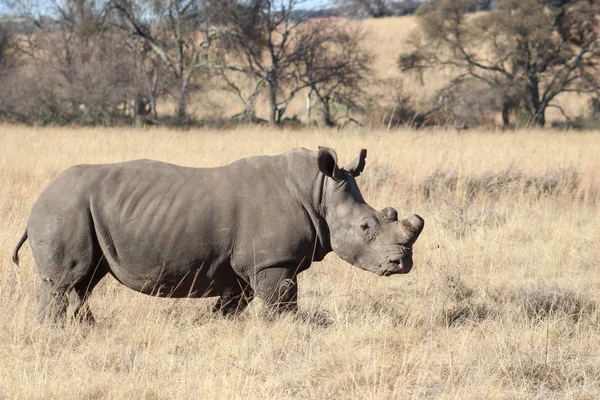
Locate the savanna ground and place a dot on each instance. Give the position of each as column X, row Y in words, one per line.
column 503, row 301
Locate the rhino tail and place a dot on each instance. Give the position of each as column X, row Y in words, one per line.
column 16, row 252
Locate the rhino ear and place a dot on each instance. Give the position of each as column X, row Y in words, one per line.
column 327, row 160
column 356, row 166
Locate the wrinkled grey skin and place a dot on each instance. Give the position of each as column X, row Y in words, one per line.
column 244, row 228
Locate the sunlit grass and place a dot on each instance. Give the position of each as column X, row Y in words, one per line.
column 503, row 301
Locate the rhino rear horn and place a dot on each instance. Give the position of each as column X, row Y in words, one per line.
column 356, row 166
column 414, row 226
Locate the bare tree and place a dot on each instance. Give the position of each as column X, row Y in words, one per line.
column 76, row 66
column 266, row 48
column 5, row 45
column 525, row 51
column 151, row 79
column 333, row 62
column 152, row 72
column 373, row 8
column 378, row 8
column 262, row 42
column 178, row 32
column 5, row 39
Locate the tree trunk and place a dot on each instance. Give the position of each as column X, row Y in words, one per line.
column 139, row 110
column 308, row 107
column 327, row 112
column 182, row 103
column 506, row 114
column 140, row 105
column 272, row 82
column 154, row 94
column 153, row 106
column 248, row 113
column 539, row 119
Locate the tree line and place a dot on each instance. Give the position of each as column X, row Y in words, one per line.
column 517, row 58
column 112, row 61
column 108, row 60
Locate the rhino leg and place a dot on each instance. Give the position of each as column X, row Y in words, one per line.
column 234, row 302
column 81, row 292
column 79, row 308
column 65, row 290
column 278, row 288
column 57, row 301
column 52, row 303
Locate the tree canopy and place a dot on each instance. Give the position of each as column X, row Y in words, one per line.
column 525, row 51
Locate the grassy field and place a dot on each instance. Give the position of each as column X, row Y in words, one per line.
column 503, row 301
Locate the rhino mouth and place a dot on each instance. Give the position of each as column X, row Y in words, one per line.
column 394, row 267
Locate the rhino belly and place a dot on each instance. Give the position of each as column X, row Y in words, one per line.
column 174, row 281
column 154, row 262
column 162, row 239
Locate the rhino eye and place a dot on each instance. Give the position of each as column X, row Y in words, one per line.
column 364, row 226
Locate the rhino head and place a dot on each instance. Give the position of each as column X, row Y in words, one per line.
column 376, row 241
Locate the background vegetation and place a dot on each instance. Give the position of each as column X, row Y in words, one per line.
column 219, row 63
column 502, row 303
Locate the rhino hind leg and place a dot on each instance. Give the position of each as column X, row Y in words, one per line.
column 52, row 303
column 79, row 307
column 81, row 292
column 67, row 255
column 234, row 301
column 59, row 300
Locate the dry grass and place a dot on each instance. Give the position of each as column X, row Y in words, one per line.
column 503, row 301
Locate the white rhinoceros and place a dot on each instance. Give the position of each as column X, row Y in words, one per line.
column 232, row 231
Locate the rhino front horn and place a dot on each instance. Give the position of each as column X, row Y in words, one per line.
column 414, row 226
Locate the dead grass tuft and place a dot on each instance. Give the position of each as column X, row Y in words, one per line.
column 464, row 304
column 509, row 182
column 466, row 312
column 465, row 217
column 540, row 301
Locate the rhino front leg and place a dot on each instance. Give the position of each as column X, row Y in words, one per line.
column 234, row 302
column 278, row 288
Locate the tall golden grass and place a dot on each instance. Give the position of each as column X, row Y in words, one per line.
column 503, row 301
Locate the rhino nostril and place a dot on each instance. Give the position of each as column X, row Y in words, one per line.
column 395, row 260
